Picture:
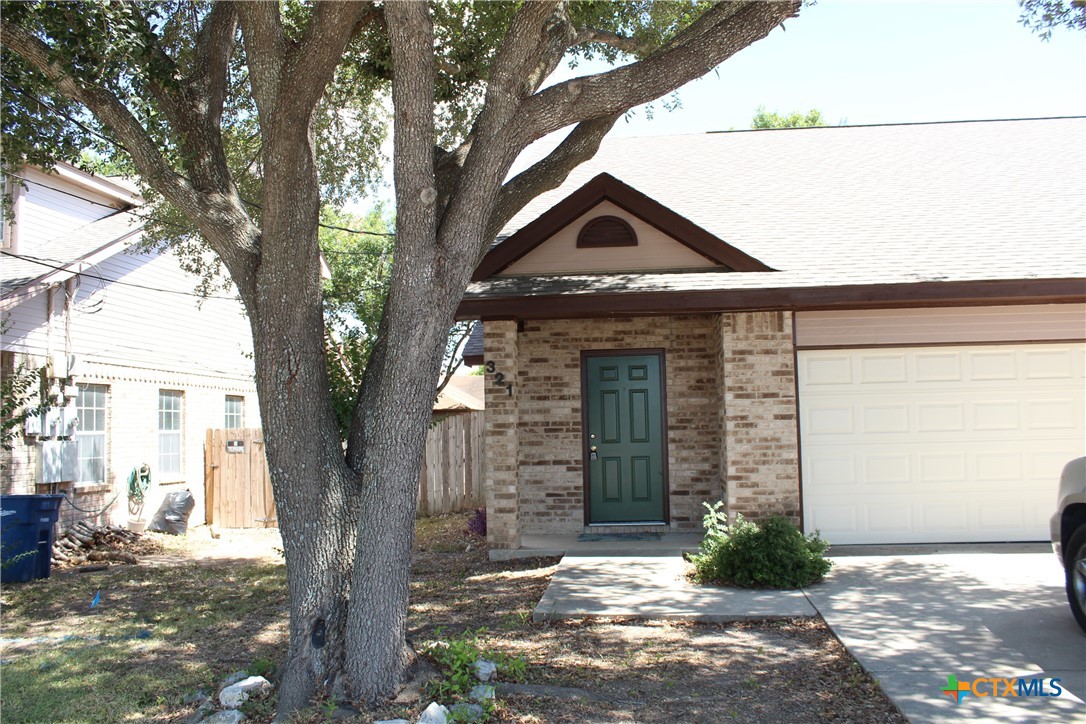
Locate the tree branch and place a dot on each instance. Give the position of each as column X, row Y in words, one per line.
column 626, row 44
column 535, row 42
column 106, row 106
column 722, row 31
column 411, row 33
column 265, row 48
column 214, row 47
column 311, row 62
column 549, row 173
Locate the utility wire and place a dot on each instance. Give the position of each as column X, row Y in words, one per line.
column 145, row 287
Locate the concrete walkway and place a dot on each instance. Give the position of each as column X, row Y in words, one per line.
column 911, row 619
column 654, row 588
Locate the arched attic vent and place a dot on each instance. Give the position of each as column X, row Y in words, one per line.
column 605, row 231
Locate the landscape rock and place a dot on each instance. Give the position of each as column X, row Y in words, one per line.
column 485, row 670
column 228, row 716
column 238, row 693
column 392, row 721
column 481, row 692
column 464, row 711
column 198, row 716
column 233, row 679
column 434, row 714
column 195, row 697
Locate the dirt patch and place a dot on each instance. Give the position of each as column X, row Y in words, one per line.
column 160, row 633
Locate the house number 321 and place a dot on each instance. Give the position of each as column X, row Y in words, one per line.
column 499, row 378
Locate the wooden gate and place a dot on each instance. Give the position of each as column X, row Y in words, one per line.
column 237, row 488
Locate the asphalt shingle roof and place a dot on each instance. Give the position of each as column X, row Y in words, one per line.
column 833, row 206
column 66, row 249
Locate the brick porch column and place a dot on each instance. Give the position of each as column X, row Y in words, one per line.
column 502, row 443
column 761, row 437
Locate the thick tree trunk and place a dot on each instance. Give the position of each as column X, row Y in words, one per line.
column 396, row 405
column 316, row 493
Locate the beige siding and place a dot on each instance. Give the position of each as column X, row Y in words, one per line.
column 163, row 330
column 654, row 250
column 953, row 325
column 157, row 325
column 49, row 209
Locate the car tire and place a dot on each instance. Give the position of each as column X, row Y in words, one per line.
column 1075, row 568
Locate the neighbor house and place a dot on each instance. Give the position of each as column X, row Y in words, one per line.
column 876, row 331
column 141, row 363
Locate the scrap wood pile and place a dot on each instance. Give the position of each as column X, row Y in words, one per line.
column 83, row 543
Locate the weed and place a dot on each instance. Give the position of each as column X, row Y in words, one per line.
column 455, row 656
column 261, row 667
column 477, row 523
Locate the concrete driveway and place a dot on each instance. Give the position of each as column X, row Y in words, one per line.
column 912, row 619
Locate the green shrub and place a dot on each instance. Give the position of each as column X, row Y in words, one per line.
column 773, row 555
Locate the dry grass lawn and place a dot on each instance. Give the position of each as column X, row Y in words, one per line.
column 205, row 608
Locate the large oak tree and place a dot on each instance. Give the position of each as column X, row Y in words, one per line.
column 241, row 119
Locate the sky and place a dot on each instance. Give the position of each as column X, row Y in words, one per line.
column 868, row 61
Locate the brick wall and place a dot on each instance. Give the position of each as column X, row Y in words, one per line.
column 502, row 440
column 761, row 458
column 551, row 490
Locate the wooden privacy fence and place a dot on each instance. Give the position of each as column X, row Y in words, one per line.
column 237, row 488
column 238, row 491
column 452, row 471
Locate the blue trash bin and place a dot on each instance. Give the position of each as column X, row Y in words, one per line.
column 26, row 526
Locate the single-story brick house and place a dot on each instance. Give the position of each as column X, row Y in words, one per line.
column 877, row 331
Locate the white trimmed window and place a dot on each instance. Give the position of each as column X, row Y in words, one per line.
column 91, row 407
column 235, row 412
column 169, row 431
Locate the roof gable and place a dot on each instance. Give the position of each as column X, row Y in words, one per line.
column 608, row 194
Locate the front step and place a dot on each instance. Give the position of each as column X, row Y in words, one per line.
column 615, row 529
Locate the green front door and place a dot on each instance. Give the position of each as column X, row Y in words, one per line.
column 625, row 431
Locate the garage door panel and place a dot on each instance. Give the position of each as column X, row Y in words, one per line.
column 938, row 444
column 1049, row 365
column 1051, row 414
column 938, row 468
column 940, row 417
column 887, row 469
column 938, row 367
column 831, row 469
column 828, row 370
column 885, row 418
column 877, row 369
column 949, row 518
column 990, row 365
column 830, row 419
column 1000, row 517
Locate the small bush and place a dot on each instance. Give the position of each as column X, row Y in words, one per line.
column 477, row 523
column 773, row 555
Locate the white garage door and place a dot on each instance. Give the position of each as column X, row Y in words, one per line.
column 938, row 444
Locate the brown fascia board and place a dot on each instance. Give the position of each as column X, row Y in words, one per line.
column 606, row 187
column 858, row 296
